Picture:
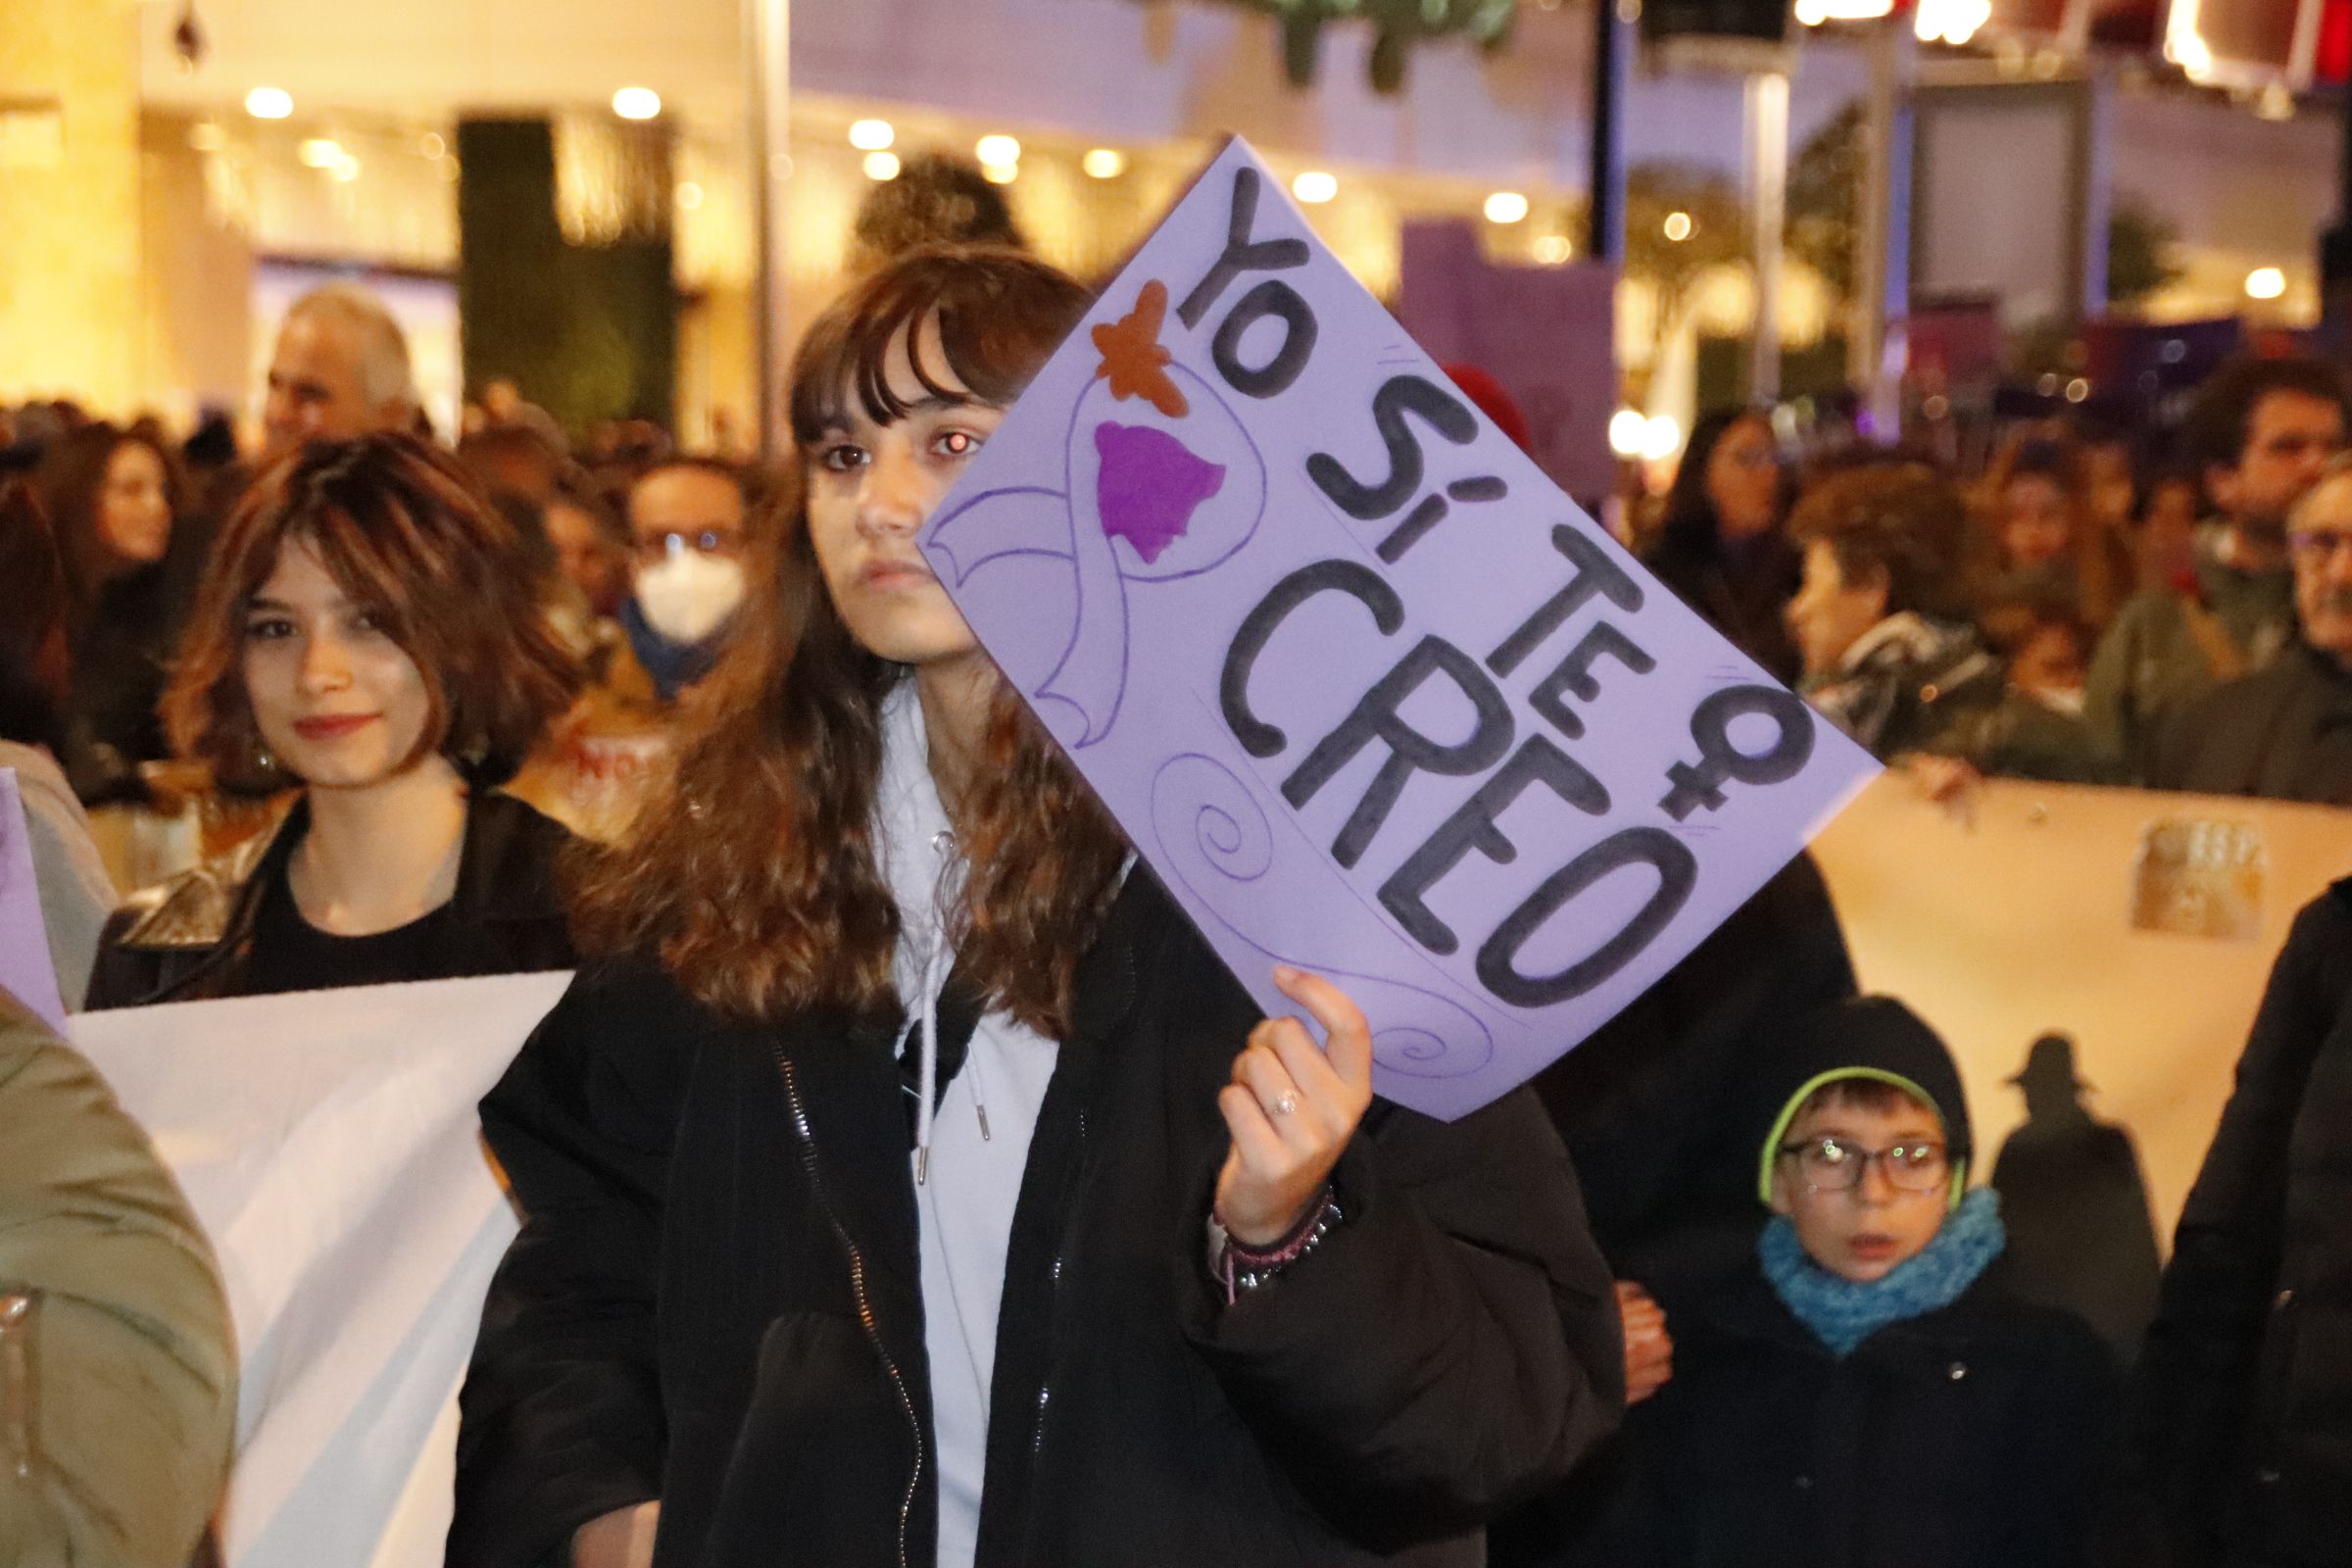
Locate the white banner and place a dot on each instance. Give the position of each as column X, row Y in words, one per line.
column 328, row 1143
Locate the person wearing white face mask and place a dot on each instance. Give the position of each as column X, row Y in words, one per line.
column 688, row 535
column 687, row 520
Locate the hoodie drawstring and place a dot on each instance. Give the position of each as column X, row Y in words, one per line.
column 927, row 1089
column 936, row 968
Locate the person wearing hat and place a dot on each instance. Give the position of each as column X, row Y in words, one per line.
column 2074, row 1202
column 1867, row 1394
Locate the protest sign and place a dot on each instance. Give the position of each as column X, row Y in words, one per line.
column 25, row 970
column 328, row 1143
column 1370, row 695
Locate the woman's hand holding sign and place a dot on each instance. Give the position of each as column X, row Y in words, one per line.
column 1291, row 1107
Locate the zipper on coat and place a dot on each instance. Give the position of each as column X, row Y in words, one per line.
column 1044, row 1384
column 865, row 1309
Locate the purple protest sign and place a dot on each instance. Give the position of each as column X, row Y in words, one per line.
column 1371, row 696
column 25, row 971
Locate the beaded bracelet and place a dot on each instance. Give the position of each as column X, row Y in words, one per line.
column 1242, row 1268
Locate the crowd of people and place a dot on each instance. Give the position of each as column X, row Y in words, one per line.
column 2101, row 605
column 903, row 1180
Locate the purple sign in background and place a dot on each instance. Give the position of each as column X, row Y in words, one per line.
column 25, row 971
column 1368, row 692
column 1546, row 333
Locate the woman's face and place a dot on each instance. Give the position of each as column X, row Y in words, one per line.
column 2048, row 663
column 1744, row 479
column 2034, row 520
column 584, row 556
column 1830, row 614
column 339, row 701
column 135, row 510
column 871, row 488
column 2108, row 482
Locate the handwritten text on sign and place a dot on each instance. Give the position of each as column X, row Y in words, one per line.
column 1370, row 695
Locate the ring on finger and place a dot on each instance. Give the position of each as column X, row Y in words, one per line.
column 1285, row 1102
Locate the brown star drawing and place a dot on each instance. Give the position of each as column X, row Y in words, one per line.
column 1132, row 358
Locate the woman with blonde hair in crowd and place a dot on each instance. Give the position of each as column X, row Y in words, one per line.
column 370, row 633
column 907, row 1182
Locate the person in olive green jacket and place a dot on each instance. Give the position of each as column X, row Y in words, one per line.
column 118, row 1368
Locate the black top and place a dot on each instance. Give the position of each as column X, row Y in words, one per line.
column 1656, row 1104
column 289, row 953
column 118, row 656
column 210, row 933
column 1743, row 589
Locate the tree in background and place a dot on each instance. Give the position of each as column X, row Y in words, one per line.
column 1825, row 185
column 1680, row 222
column 1825, row 182
column 2142, row 250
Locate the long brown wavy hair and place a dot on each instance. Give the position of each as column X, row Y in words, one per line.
column 753, row 875
column 72, row 479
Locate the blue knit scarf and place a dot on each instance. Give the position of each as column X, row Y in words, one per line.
column 1842, row 1313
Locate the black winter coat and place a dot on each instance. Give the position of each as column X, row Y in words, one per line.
column 2242, row 1429
column 119, row 652
column 1656, row 1107
column 1743, row 593
column 1976, row 1436
column 716, row 1300
column 190, row 939
column 2283, row 733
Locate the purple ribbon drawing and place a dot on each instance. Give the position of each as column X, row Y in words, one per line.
column 1147, row 498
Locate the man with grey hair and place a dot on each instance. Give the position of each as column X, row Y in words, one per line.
column 340, row 369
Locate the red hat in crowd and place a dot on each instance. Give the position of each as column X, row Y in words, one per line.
column 1493, row 401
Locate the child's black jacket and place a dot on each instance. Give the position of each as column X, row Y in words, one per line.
column 1974, row 1435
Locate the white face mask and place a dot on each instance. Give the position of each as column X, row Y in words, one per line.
column 687, row 594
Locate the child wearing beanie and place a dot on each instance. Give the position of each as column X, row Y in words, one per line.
column 1867, row 1395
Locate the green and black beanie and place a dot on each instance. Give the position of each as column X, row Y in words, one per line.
column 1867, row 1037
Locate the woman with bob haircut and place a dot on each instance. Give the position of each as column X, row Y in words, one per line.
column 894, row 1194
column 369, row 630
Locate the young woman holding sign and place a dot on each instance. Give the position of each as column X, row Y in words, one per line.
column 906, row 1183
